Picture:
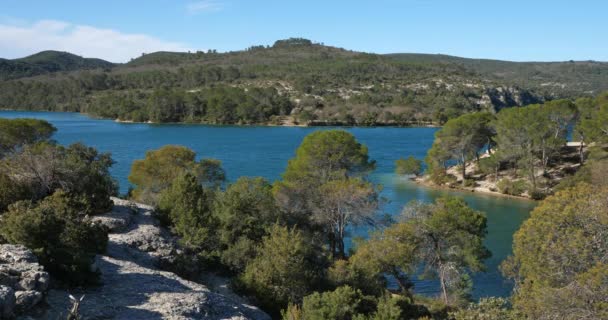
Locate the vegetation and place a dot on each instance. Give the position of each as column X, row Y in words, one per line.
column 324, row 186
column 293, row 80
column 559, row 257
column 160, row 167
column 410, row 165
column 246, row 211
column 64, row 241
column 47, row 194
column 284, row 271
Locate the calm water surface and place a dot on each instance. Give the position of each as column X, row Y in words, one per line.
column 264, row 151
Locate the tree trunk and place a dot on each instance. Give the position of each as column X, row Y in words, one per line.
column 444, row 289
column 464, row 171
column 581, row 153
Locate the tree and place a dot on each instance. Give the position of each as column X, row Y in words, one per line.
column 559, row 257
column 80, row 171
column 160, row 167
column 16, row 133
column 410, row 165
column 186, row 205
column 449, row 237
column 323, row 186
column 532, row 134
column 284, row 271
column 246, row 210
column 594, row 122
column 64, row 241
column 342, row 203
column 462, row 138
column 391, row 252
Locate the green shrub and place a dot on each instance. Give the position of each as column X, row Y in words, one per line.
column 470, row 183
column 63, row 240
column 284, row 271
column 512, row 187
column 245, row 212
column 186, row 207
column 80, row 171
column 410, row 165
column 342, row 304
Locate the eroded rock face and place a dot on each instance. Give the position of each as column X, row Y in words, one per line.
column 23, row 282
column 134, row 285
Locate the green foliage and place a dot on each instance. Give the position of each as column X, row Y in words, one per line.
column 80, row 171
column 63, row 240
column 160, row 167
column 530, row 137
column 486, row 308
column 450, row 237
column 46, row 62
column 324, row 183
column 460, row 140
column 512, row 187
column 245, row 212
column 341, row 304
column 15, row 133
column 559, row 257
column 410, row 165
column 217, row 87
column 185, row 204
column 593, row 119
column 286, row 269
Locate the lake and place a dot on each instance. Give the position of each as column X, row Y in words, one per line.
column 264, row 151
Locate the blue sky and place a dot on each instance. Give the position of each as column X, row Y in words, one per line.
column 118, row 30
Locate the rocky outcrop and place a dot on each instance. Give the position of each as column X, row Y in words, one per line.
column 134, row 286
column 23, row 282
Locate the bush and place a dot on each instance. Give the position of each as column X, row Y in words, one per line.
column 512, row 187
column 80, row 171
column 342, row 304
column 186, row 207
column 410, row 165
column 284, row 271
column 245, row 212
column 64, row 242
column 470, row 183
column 489, row 165
column 156, row 172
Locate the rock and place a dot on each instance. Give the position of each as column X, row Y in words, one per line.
column 131, row 291
column 134, row 282
column 7, row 301
column 26, row 300
column 23, row 281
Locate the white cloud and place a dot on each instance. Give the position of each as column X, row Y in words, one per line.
column 19, row 40
column 203, row 6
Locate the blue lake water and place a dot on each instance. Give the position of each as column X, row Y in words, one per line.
column 264, row 151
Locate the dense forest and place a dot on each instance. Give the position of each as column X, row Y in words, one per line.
column 295, row 81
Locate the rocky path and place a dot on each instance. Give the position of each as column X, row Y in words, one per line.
column 134, row 285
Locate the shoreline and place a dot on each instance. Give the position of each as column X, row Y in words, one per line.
column 287, row 125
column 422, row 181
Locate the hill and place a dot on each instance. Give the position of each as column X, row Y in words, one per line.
column 46, row 62
column 298, row 81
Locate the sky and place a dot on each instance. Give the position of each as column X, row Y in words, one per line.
column 530, row 30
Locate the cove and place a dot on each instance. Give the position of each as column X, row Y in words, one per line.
column 264, row 151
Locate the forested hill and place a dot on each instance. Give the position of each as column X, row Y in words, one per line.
column 562, row 79
column 46, row 62
column 293, row 81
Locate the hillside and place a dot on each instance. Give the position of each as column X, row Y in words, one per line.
column 295, row 81
column 46, row 62
column 558, row 79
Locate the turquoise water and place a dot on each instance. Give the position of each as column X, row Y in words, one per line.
column 264, row 151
